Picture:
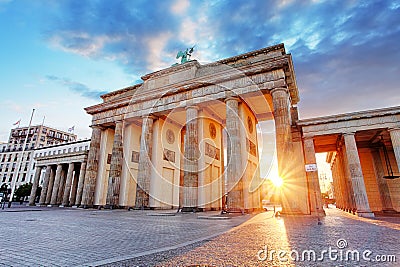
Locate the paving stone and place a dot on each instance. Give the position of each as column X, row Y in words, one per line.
column 75, row 237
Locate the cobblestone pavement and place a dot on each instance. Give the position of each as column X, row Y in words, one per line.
column 71, row 237
column 36, row 236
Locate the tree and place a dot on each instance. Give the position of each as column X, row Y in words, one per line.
column 23, row 191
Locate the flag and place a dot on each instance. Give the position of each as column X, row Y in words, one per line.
column 18, row 122
column 71, row 129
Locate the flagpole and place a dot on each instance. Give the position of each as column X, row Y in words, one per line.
column 16, row 173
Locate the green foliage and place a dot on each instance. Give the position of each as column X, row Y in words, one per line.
column 23, row 190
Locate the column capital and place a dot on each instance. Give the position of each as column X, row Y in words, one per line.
column 192, row 107
column 348, row 133
column 308, row 137
column 97, row 126
column 229, row 98
column 394, row 129
column 149, row 116
column 279, row 89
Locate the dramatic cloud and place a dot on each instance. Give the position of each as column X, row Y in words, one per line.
column 77, row 87
column 345, row 52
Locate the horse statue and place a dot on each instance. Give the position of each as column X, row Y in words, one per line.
column 185, row 55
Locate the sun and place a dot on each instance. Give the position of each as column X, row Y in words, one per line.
column 276, row 181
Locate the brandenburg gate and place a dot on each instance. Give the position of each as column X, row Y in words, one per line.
column 162, row 143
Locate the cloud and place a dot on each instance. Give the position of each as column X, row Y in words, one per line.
column 339, row 48
column 77, row 87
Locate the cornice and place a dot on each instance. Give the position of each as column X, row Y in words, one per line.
column 351, row 116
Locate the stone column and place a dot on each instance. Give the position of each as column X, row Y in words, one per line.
column 61, row 187
column 383, row 188
column 50, row 187
column 144, row 168
column 74, row 187
column 45, row 187
column 92, row 168
column 395, row 137
column 35, row 185
column 56, row 184
column 190, row 161
column 346, row 181
column 81, row 180
column 280, row 98
column 314, row 190
column 356, row 176
column 114, row 179
column 68, row 183
column 282, row 118
column 234, row 169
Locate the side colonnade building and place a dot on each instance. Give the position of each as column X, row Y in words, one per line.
column 364, row 153
column 60, row 170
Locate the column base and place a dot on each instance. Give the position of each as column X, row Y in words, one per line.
column 318, row 213
column 235, row 210
column 191, row 209
column 111, row 207
column 141, row 208
column 389, row 211
column 290, row 213
column 365, row 214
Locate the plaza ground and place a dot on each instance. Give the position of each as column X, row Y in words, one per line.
column 36, row 236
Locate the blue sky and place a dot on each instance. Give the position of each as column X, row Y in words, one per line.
column 59, row 56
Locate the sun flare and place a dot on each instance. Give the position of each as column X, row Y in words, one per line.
column 276, row 181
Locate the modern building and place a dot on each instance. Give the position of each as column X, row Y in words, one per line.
column 12, row 154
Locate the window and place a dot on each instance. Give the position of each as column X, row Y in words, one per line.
column 69, row 150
